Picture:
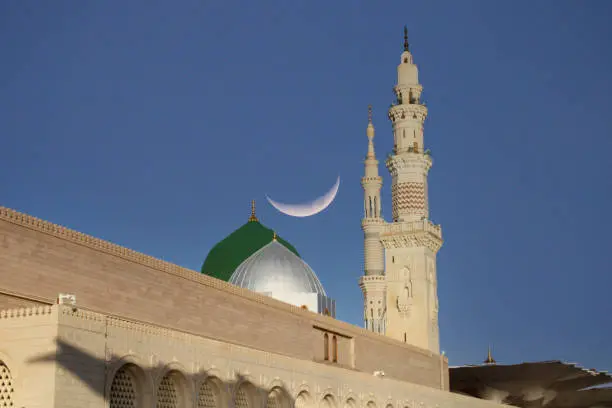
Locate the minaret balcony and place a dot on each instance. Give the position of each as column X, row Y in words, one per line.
column 373, row 283
column 373, row 223
column 373, row 181
column 408, row 159
column 408, row 111
column 412, row 234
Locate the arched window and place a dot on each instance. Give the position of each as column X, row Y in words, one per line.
column 169, row 391
column 370, row 214
column 335, row 349
column 278, row 398
column 416, row 147
column 6, row 386
column 208, row 394
column 375, row 207
column 405, row 338
column 350, row 403
column 326, row 346
column 244, row 395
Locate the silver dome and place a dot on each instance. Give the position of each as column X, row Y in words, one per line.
column 275, row 269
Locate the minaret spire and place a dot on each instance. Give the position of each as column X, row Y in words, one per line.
column 406, row 45
column 373, row 282
column 370, row 134
column 253, row 217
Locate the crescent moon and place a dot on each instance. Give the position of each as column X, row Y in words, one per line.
column 307, row 209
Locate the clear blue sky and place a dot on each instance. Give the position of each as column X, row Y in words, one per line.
column 153, row 125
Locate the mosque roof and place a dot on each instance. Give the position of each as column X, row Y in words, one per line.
column 275, row 269
column 226, row 255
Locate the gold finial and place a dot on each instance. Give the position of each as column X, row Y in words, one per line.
column 369, row 113
column 274, row 236
column 406, row 45
column 253, row 217
column 490, row 360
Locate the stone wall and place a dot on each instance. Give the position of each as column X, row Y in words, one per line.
column 27, row 350
column 39, row 260
column 92, row 348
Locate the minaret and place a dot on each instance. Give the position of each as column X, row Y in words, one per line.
column 411, row 242
column 373, row 282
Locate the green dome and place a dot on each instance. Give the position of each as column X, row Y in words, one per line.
column 224, row 258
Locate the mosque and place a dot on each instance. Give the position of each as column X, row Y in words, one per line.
column 88, row 323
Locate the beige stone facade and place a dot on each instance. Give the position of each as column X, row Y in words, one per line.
column 147, row 333
column 60, row 356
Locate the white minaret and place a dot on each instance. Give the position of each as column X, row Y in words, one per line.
column 411, row 242
column 373, row 282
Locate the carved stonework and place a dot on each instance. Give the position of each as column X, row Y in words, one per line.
column 408, row 198
column 404, row 305
column 399, row 164
column 418, row 240
column 412, row 111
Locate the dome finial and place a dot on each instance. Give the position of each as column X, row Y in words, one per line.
column 490, row 360
column 253, row 217
column 369, row 113
column 406, row 45
column 274, row 236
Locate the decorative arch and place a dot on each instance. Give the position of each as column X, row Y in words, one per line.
column 8, row 361
column 303, row 397
column 371, row 404
column 128, row 385
column 350, row 403
column 211, row 393
column 245, row 395
column 328, row 401
column 278, row 397
column 7, row 385
column 173, row 390
column 303, row 400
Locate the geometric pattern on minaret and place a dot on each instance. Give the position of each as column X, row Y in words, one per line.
column 411, row 241
column 373, row 283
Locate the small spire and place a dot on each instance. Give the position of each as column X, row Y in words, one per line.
column 490, row 360
column 253, row 217
column 370, row 134
column 274, row 236
column 406, row 45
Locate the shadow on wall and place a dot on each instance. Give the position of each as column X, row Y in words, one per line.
column 124, row 383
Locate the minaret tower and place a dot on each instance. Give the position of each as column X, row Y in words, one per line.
column 373, row 282
column 411, row 242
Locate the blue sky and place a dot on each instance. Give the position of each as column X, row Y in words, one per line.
column 153, row 125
